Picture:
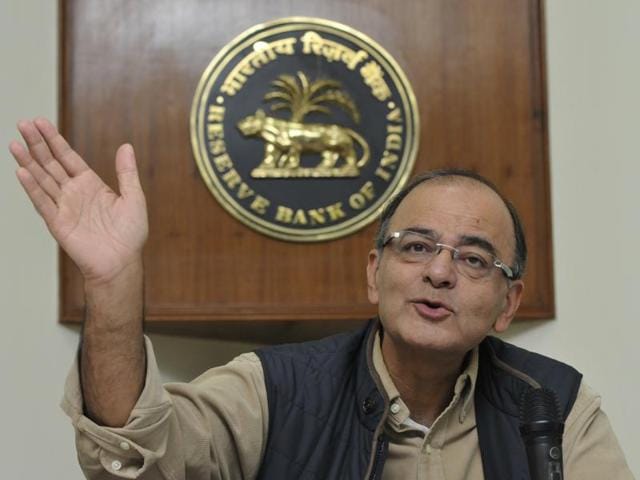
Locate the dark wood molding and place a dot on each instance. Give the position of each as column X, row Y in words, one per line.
column 128, row 71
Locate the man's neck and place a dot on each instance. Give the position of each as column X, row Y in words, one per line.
column 425, row 382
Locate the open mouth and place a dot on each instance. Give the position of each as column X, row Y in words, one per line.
column 432, row 309
column 433, row 304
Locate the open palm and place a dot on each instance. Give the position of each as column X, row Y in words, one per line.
column 102, row 231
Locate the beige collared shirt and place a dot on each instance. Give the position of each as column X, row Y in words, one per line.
column 449, row 449
column 215, row 427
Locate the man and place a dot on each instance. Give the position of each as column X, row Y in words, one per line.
column 421, row 392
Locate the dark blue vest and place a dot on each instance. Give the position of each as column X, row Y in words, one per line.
column 327, row 407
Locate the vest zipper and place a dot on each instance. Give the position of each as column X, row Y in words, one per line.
column 376, row 460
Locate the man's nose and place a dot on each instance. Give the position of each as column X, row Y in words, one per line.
column 441, row 270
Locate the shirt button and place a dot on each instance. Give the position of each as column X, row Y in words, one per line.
column 116, row 465
column 124, row 446
column 395, row 408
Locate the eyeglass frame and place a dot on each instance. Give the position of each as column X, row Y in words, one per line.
column 506, row 270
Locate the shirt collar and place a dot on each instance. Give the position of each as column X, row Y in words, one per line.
column 463, row 390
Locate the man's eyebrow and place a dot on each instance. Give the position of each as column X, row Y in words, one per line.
column 423, row 231
column 472, row 240
column 465, row 240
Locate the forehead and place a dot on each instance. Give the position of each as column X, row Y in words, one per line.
column 455, row 208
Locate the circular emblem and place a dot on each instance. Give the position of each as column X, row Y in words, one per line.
column 302, row 128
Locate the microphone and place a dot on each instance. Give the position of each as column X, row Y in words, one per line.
column 541, row 428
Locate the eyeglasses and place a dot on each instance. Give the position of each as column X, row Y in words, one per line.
column 469, row 260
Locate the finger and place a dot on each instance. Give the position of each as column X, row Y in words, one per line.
column 70, row 160
column 44, row 180
column 127, row 171
column 40, row 151
column 41, row 201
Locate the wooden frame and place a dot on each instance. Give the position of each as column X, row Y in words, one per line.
column 129, row 71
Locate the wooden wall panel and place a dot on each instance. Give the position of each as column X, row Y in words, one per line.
column 128, row 74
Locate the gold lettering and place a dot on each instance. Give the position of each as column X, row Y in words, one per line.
column 359, row 199
column 232, row 178
column 394, row 142
column 260, row 204
column 244, row 191
column 372, row 75
column 388, row 159
column 367, row 190
column 383, row 174
column 352, row 60
column 247, row 69
column 314, row 216
column 284, row 214
column 232, row 84
column 394, row 139
column 311, row 41
column 215, row 131
column 215, row 114
column 287, row 215
column 223, row 162
column 216, row 147
column 335, row 211
column 317, row 216
column 395, row 115
column 263, row 54
column 285, row 46
column 332, row 51
column 300, row 218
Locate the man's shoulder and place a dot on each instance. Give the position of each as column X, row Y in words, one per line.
column 331, row 359
column 505, row 370
column 327, row 346
column 499, row 351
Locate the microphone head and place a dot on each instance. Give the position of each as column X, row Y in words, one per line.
column 540, row 412
column 539, row 404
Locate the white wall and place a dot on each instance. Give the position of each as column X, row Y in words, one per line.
column 593, row 80
column 36, row 440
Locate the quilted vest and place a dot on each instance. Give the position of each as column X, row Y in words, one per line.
column 327, row 407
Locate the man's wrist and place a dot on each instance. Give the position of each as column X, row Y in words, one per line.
column 116, row 304
column 128, row 275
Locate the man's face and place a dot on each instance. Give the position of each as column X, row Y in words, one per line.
column 433, row 308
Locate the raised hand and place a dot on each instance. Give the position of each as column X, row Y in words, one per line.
column 102, row 231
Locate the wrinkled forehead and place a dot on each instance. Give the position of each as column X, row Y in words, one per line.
column 455, row 207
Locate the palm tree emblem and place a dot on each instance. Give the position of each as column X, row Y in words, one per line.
column 301, row 97
column 286, row 140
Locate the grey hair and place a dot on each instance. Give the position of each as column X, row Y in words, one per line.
column 520, row 254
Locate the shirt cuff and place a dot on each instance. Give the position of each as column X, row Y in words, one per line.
column 130, row 450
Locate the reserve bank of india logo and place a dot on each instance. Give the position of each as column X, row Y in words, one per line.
column 302, row 128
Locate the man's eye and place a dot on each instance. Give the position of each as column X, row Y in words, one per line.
column 416, row 247
column 474, row 261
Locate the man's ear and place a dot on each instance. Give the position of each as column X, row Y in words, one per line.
column 372, row 283
column 512, row 302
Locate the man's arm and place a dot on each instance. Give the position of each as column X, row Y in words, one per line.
column 127, row 424
column 103, row 232
column 590, row 447
column 112, row 355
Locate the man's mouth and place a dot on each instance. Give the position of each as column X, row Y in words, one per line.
column 432, row 309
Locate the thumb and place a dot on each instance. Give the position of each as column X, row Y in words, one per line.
column 127, row 171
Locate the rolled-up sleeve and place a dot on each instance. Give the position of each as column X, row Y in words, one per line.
column 213, row 427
